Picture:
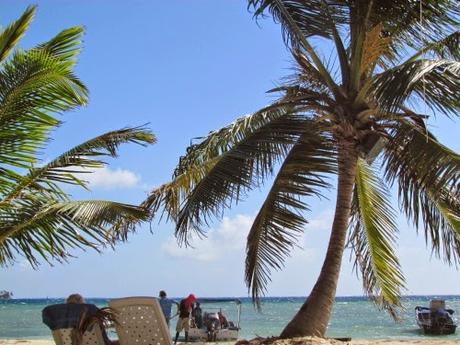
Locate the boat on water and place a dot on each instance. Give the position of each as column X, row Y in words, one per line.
column 4, row 295
column 435, row 320
column 212, row 324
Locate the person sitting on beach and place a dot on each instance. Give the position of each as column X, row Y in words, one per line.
column 71, row 315
column 75, row 299
column 185, row 308
column 166, row 304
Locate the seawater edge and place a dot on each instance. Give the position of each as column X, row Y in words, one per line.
column 353, row 316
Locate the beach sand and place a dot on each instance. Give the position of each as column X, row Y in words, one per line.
column 299, row 341
column 407, row 342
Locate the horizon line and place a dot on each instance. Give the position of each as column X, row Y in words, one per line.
column 243, row 297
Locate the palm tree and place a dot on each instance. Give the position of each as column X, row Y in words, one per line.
column 38, row 218
column 358, row 119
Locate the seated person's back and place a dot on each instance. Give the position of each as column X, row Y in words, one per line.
column 69, row 315
column 66, row 315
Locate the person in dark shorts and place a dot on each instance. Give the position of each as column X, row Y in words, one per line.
column 185, row 308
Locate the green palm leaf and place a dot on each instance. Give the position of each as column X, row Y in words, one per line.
column 32, row 86
column 373, row 238
column 445, row 237
column 66, row 45
column 171, row 194
column 427, row 174
column 38, row 219
column 78, row 159
column 11, row 35
column 201, row 157
column 220, row 141
column 53, row 228
column 242, row 168
column 280, row 220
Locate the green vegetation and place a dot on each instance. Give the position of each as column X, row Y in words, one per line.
column 358, row 119
column 38, row 218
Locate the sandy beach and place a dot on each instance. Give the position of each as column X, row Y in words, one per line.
column 314, row 341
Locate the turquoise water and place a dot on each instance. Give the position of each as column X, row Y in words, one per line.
column 352, row 316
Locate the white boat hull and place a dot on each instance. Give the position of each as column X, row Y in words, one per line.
column 201, row 334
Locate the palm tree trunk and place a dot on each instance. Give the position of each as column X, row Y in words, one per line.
column 313, row 317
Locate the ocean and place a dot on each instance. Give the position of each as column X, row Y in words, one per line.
column 354, row 317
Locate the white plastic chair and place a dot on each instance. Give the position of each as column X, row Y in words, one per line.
column 92, row 336
column 140, row 321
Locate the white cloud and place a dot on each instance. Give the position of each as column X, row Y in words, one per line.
column 107, row 178
column 229, row 237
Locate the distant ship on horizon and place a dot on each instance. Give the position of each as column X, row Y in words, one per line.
column 5, row 294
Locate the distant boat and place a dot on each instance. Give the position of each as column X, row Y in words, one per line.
column 5, row 295
column 436, row 319
column 213, row 325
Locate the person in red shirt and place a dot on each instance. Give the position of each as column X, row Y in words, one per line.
column 185, row 308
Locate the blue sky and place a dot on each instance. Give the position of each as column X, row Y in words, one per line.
column 186, row 68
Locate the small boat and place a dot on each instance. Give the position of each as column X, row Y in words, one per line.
column 436, row 319
column 5, row 295
column 211, row 324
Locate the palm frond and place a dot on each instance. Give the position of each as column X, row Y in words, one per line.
column 402, row 21
column 312, row 18
column 40, row 72
column 103, row 317
column 168, row 196
column 359, row 17
column 308, row 80
column 201, row 158
column 300, row 20
column 427, row 175
column 435, row 164
column 77, row 160
column 240, row 169
column 11, row 35
column 66, row 45
column 447, row 48
column 446, row 216
column 394, row 86
column 33, row 85
column 280, row 220
column 373, row 238
column 37, row 217
column 171, row 194
column 220, row 141
column 49, row 230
